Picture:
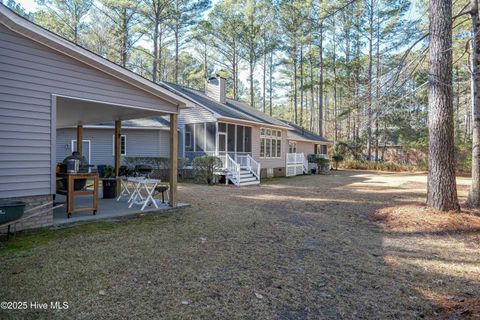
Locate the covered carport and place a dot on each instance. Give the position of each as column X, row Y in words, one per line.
column 48, row 82
column 79, row 112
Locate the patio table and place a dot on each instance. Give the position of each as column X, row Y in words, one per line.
column 127, row 188
column 143, row 184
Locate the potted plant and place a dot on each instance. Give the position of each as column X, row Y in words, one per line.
column 109, row 183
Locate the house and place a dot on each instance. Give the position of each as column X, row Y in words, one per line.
column 148, row 137
column 301, row 143
column 48, row 82
column 301, row 140
column 250, row 143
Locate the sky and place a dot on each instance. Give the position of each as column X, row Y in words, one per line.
column 29, row 5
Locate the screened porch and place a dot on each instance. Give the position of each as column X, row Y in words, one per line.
column 218, row 139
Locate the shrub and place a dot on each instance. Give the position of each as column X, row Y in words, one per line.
column 109, row 172
column 376, row 165
column 337, row 158
column 323, row 164
column 205, row 168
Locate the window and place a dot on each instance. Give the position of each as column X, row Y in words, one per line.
column 189, row 137
column 231, row 138
column 123, row 145
column 268, row 149
column 324, row 149
column 248, row 139
column 199, row 136
column 270, row 143
column 292, row 147
column 240, row 139
column 211, row 131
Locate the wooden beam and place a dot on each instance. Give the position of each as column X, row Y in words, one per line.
column 173, row 159
column 80, row 139
column 118, row 151
column 118, row 147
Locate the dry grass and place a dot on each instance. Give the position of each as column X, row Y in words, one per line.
column 349, row 245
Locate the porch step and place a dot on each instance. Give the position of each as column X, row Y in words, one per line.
column 250, row 183
column 248, row 179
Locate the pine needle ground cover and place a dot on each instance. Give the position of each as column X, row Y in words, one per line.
column 348, row 245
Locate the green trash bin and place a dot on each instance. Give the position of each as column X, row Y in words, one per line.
column 11, row 211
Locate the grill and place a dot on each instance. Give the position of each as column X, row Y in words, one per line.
column 143, row 170
column 74, row 164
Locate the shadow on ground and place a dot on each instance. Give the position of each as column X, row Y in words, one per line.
column 293, row 248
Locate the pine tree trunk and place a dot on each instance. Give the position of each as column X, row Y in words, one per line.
column 252, row 89
column 370, row 70
column 176, row 52
column 320, row 84
column 270, row 86
column 301, row 85
column 295, row 85
column 441, row 187
column 335, row 115
column 155, row 51
column 377, row 91
column 474, row 195
column 264, row 80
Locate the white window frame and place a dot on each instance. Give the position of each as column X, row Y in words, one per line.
column 124, row 136
column 89, row 148
column 292, row 147
column 274, row 135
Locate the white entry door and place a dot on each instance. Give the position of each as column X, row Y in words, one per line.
column 86, row 149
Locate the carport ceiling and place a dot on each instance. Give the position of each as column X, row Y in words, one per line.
column 73, row 112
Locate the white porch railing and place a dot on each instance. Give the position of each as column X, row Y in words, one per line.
column 233, row 169
column 232, row 163
column 253, row 166
column 297, row 164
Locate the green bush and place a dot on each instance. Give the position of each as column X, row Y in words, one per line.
column 157, row 163
column 323, row 164
column 205, row 168
column 375, row 165
column 337, row 158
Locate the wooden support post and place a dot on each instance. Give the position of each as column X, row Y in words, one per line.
column 80, row 139
column 118, row 149
column 173, row 159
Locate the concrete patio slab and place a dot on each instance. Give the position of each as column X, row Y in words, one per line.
column 108, row 209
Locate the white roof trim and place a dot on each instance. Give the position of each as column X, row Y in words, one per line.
column 308, row 140
column 38, row 34
column 123, row 127
column 260, row 124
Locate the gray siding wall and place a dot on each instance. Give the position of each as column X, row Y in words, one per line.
column 271, row 162
column 140, row 142
column 305, row 147
column 29, row 74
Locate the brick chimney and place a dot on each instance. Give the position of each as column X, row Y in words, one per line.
column 215, row 88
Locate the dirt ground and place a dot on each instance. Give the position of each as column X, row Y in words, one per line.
column 348, row 245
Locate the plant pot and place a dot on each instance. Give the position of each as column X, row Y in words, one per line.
column 313, row 171
column 109, row 186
